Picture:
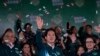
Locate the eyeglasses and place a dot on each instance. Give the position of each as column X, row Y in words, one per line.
column 89, row 42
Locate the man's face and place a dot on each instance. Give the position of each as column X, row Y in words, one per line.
column 50, row 38
column 89, row 30
column 90, row 43
column 28, row 28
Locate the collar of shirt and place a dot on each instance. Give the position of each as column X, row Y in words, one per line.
column 53, row 46
column 11, row 45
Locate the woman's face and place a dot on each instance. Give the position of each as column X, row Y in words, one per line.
column 80, row 51
column 74, row 30
column 26, row 48
column 10, row 37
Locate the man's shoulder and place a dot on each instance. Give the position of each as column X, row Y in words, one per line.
column 92, row 53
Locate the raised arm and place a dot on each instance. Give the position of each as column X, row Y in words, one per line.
column 39, row 41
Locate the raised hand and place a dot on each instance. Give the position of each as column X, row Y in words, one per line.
column 39, row 22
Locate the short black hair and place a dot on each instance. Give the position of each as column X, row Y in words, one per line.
column 47, row 30
column 25, row 26
column 89, row 26
column 94, row 40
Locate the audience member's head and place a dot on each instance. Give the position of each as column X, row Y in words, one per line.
column 90, row 43
column 80, row 50
column 73, row 30
column 8, row 36
column 27, row 27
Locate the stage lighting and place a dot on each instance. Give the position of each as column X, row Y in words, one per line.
column 12, row 1
column 57, row 2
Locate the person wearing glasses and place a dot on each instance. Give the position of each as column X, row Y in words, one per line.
column 90, row 44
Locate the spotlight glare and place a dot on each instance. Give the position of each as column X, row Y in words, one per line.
column 5, row 4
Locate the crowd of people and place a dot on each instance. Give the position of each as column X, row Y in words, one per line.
column 49, row 42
